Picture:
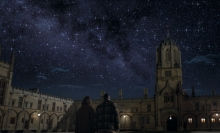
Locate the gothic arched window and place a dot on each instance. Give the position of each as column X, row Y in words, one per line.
column 174, row 55
column 168, row 97
column 2, row 90
column 168, row 54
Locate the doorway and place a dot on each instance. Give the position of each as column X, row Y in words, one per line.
column 171, row 123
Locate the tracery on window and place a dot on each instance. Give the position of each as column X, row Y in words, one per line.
column 168, row 54
column 174, row 55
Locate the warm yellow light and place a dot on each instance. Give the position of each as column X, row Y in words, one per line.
column 213, row 119
column 189, row 120
column 203, row 120
column 124, row 116
column 38, row 114
column 216, row 114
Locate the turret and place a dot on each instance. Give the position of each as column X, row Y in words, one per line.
column 12, row 61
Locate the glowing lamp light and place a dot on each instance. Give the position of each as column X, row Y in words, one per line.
column 216, row 114
column 170, row 117
column 38, row 114
column 124, row 116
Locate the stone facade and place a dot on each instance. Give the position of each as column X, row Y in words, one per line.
column 170, row 108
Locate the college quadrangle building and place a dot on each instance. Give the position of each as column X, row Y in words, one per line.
column 170, row 109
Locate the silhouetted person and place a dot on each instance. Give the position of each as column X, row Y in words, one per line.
column 85, row 117
column 107, row 116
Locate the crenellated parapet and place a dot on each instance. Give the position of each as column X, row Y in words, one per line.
column 40, row 95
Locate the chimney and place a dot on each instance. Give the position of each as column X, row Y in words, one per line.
column 193, row 92
column 120, row 94
column 146, row 93
column 102, row 94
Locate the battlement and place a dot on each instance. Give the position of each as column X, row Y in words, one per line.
column 40, row 95
column 203, row 96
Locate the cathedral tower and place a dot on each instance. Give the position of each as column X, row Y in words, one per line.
column 168, row 90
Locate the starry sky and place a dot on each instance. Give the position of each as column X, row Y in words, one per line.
column 74, row 48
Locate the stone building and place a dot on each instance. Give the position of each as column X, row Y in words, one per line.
column 171, row 109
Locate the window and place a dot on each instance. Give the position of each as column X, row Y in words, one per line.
column 47, row 121
column 167, row 73
column 57, row 108
column 31, row 104
column 2, row 91
column 47, row 107
column 60, row 109
column 202, row 120
column 12, row 121
column 196, row 106
column 134, row 109
column 189, row 120
column 53, row 107
column 44, row 107
column 41, row 121
column 20, row 102
column 149, row 108
column 213, row 120
column 168, row 55
column 168, row 97
column 32, row 120
column 214, row 105
column 13, row 102
column 174, row 55
column 39, row 104
column 22, row 120
column 26, row 104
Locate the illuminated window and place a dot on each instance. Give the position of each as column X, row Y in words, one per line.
column 213, row 119
column 203, row 120
column 189, row 120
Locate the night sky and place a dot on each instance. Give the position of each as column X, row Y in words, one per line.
column 74, row 48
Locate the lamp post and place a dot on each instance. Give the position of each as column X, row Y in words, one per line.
column 23, row 111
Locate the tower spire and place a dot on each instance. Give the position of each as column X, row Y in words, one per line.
column 12, row 60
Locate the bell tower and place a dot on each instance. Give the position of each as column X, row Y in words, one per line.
column 168, row 89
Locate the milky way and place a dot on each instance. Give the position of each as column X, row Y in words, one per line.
column 73, row 48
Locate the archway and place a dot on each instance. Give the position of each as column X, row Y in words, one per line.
column 171, row 123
